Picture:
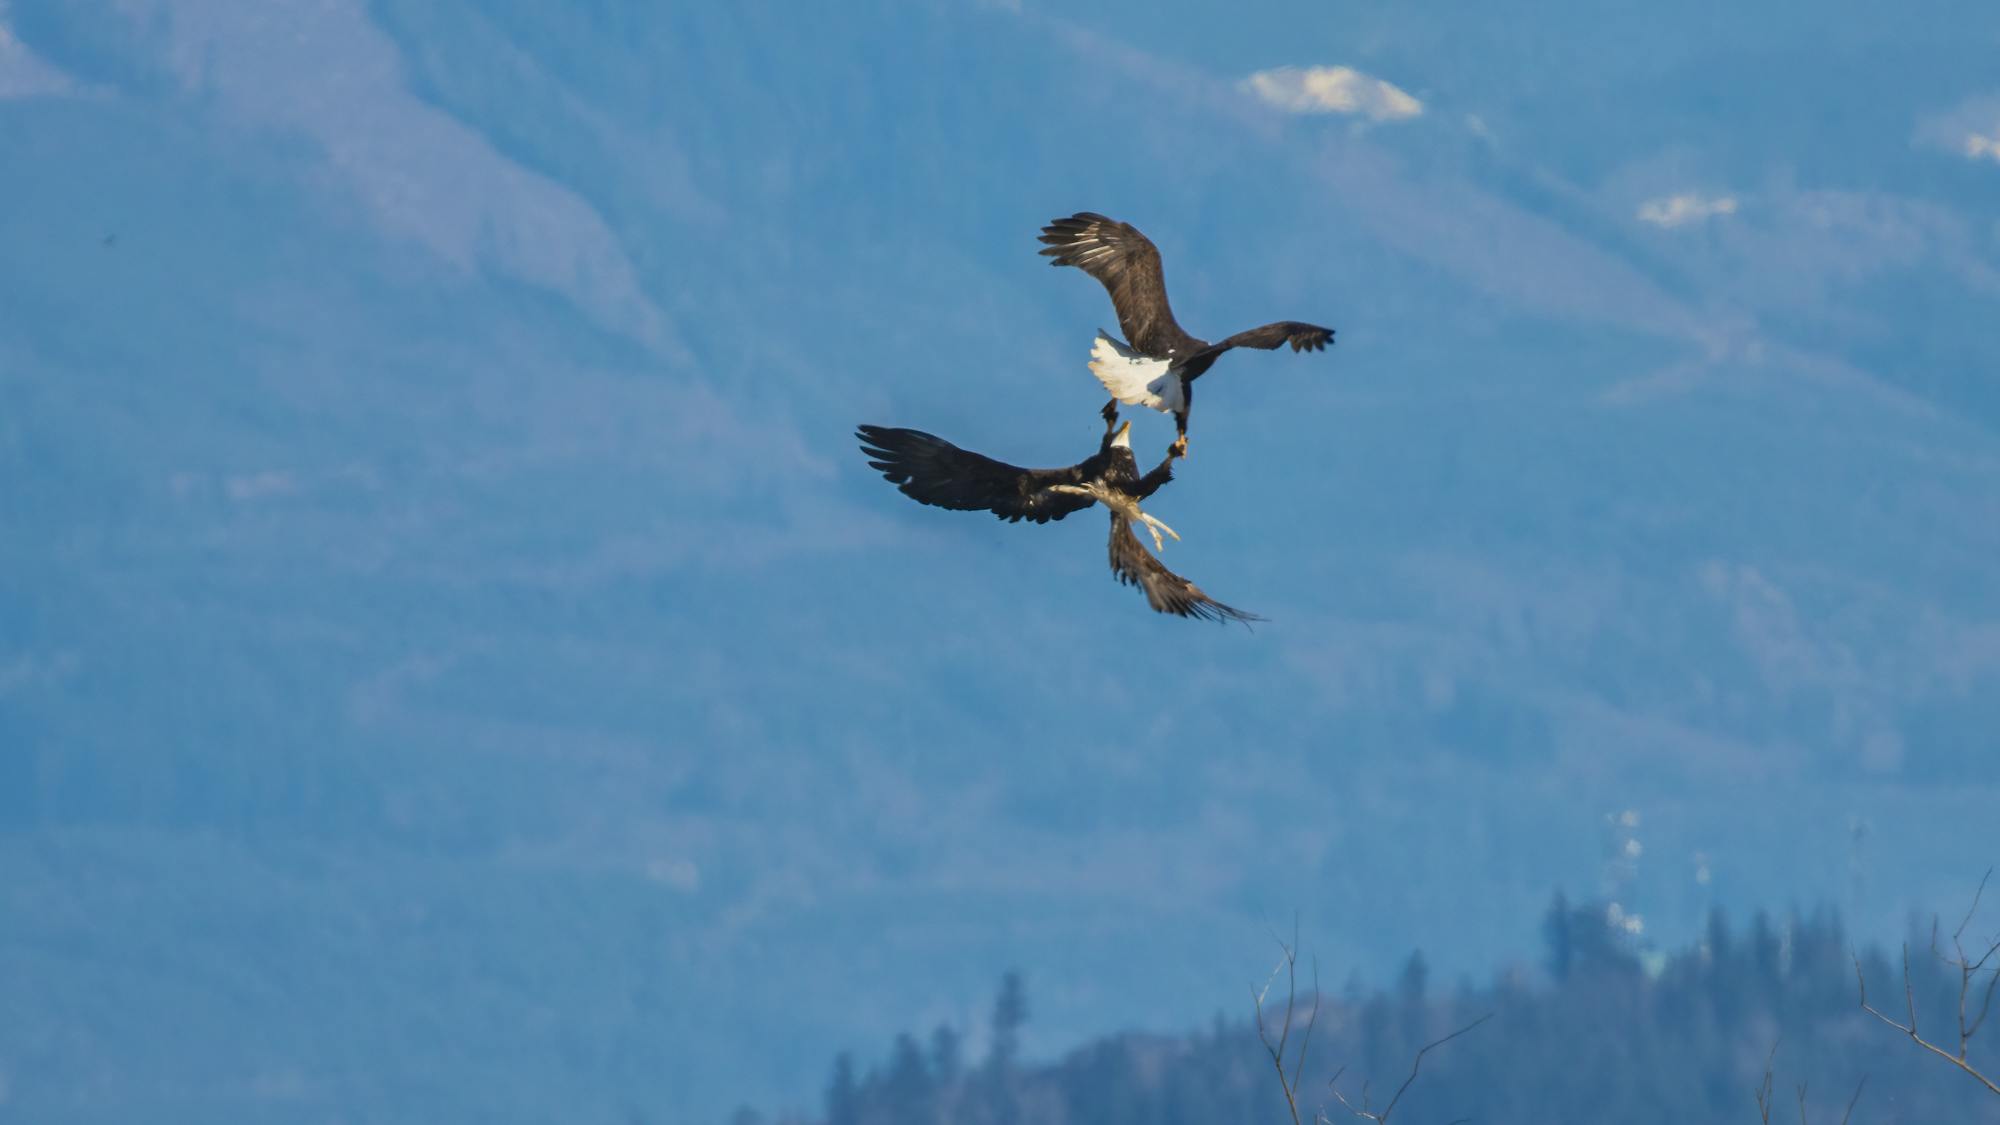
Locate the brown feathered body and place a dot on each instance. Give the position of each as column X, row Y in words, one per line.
column 931, row 470
column 1127, row 264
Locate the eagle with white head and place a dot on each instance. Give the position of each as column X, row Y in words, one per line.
column 1157, row 363
column 930, row 470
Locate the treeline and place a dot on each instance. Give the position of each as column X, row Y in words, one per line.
column 1600, row 1032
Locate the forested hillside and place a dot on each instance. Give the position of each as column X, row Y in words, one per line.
column 456, row 665
column 1598, row 1031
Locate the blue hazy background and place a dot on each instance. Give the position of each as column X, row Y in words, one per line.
column 454, row 664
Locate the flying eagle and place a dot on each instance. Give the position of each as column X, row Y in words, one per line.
column 933, row 471
column 1158, row 362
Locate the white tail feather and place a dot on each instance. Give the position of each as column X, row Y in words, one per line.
column 1134, row 379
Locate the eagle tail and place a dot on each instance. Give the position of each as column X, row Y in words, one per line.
column 1135, row 379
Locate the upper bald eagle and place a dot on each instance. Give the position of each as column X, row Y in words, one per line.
column 1159, row 362
column 933, row 471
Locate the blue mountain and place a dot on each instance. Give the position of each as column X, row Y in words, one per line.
column 455, row 665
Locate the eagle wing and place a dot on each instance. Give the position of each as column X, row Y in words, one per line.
column 1128, row 265
column 1166, row 591
column 1302, row 337
column 931, row 470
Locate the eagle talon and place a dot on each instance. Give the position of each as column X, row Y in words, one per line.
column 1155, row 366
column 1110, row 412
column 1156, row 527
column 930, row 470
column 1179, row 447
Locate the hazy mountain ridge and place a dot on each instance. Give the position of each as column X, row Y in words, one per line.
column 1593, row 1032
column 323, row 530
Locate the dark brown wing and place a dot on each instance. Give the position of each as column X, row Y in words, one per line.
column 1166, row 591
column 1302, row 337
column 931, row 470
column 1128, row 264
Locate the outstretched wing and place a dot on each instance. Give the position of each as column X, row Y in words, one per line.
column 931, row 470
column 1128, row 264
column 1302, row 337
column 1166, row 591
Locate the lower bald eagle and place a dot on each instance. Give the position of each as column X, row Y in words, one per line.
column 931, row 470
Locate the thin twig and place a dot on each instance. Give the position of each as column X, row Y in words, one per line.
column 1992, row 978
column 1416, row 1064
column 1765, row 1103
column 1855, row 1100
column 1909, row 990
column 1763, row 1090
column 1289, row 964
column 1974, row 908
column 1969, row 970
column 1967, row 973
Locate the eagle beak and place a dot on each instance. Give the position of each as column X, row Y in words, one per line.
column 1124, row 436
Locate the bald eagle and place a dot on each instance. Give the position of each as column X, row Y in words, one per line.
column 931, row 470
column 1157, row 363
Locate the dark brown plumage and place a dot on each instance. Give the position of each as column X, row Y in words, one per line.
column 931, row 470
column 1166, row 591
column 1128, row 265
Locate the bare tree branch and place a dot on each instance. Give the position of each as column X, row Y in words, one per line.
column 1765, row 1102
column 1416, row 1064
column 1969, row 970
column 1855, row 1100
column 1763, row 1090
column 1289, row 965
column 1969, row 990
column 1959, row 933
column 1290, row 1064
